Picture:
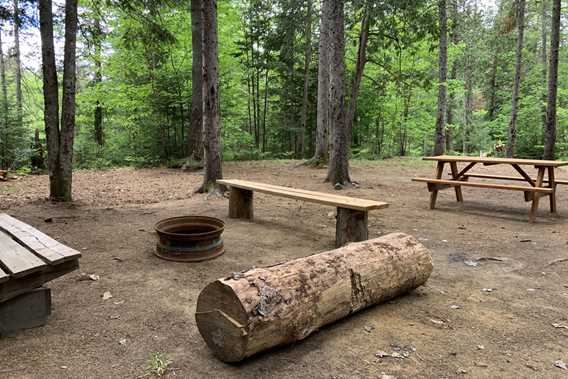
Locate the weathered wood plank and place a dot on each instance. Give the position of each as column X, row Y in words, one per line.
column 484, row 185
column 493, row 160
column 507, row 177
column 3, row 276
column 18, row 260
column 305, row 195
column 44, row 246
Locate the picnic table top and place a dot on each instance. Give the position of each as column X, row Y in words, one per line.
column 493, row 160
column 29, row 258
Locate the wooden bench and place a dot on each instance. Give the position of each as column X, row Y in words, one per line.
column 28, row 260
column 506, row 177
column 352, row 213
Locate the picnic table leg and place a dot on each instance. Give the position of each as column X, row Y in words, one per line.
column 454, row 167
column 552, row 184
column 241, row 203
column 434, row 193
column 536, row 195
column 351, row 226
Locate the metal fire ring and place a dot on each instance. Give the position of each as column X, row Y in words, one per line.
column 189, row 238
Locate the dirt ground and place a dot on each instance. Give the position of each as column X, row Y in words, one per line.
column 452, row 327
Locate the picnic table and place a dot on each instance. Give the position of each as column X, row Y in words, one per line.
column 543, row 185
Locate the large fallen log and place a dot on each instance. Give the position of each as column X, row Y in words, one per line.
column 255, row 310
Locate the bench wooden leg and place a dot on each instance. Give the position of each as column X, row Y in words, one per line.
column 536, row 195
column 29, row 310
column 454, row 167
column 552, row 184
column 434, row 193
column 352, row 226
column 241, row 203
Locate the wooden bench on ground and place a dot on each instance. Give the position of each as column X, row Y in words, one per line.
column 352, row 213
column 28, row 260
column 3, row 175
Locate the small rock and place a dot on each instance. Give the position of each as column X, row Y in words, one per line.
column 471, row 263
column 107, row 295
column 369, row 328
column 114, row 317
column 480, row 347
column 561, row 365
column 122, row 341
column 455, row 306
column 437, row 322
column 382, row 354
column 461, row 371
column 94, row 277
column 63, row 367
column 487, row 289
column 338, row 186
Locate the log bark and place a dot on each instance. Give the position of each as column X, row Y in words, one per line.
column 440, row 137
column 512, row 137
column 195, row 135
column 255, row 310
column 550, row 130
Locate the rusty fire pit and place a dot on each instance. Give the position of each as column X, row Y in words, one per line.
column 189, row 238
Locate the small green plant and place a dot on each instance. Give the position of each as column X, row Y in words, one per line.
column 158, row 363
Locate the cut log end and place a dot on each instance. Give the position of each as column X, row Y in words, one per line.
column 221, row 320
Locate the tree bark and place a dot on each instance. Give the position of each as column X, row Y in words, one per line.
column 543, row 58
column 50, row 97
column 440, row 142
column 512, row 137
column 255, row 310
column 323, row 108
column 5, row 120
column 359, row 69
column 98, row 116
column 194, row 141
column 212, row 125
column 453, row 76
column 67, row 133
column 305, row 98
column 18, row 63
column 550, row 131
column 338, row 171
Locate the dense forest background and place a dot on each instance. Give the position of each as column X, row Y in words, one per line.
column 134, row 79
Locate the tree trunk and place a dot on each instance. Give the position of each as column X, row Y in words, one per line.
column 212, row 126
column 453, row 76
column 194, row 140
column 359, row 69
column 512, row 138
column 98, row 116
column 5, row 123
column 50, row 97
column 338, row 171
column 67, row 133
column 543, row 58
column 440, row 143
column 18, row 68
column 255, row 310
column 307, row 61
column 550, row 131
column 323, row 108
column 468, row 102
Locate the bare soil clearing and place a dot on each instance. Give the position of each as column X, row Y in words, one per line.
column 495, row 305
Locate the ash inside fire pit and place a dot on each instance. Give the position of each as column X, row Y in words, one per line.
column 189, row 238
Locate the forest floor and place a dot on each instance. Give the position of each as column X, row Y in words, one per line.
column 449, row 328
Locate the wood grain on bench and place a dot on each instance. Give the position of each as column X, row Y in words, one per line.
column 18, row 260
column 311, row 196
column 46, row 247
column 507, row 177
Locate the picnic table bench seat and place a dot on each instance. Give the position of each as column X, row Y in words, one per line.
column 352, row 213
column 28, row 260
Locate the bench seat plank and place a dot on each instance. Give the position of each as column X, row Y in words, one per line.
column 506, row 177
column 494, row 160
column 484, row 185
column 18, row 260
column 43, row 245
column 311, row 196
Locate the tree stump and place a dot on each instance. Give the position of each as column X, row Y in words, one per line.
column 258, row 309
column 351, row 226
column 241, row 203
